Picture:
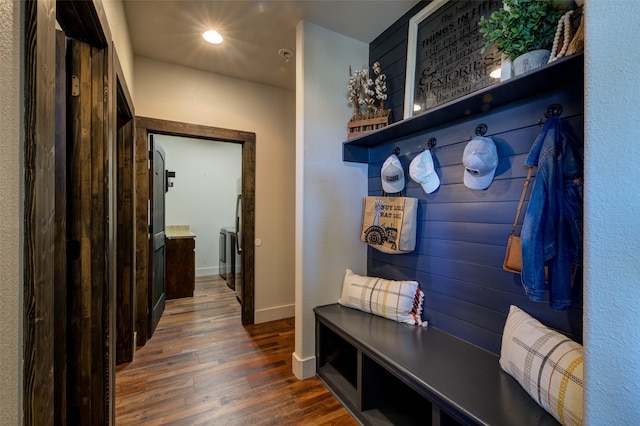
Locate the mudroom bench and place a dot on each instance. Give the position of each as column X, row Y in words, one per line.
column 389, row 373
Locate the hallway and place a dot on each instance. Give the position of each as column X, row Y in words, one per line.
column 201, row 367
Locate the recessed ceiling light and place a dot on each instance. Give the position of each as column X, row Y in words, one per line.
column 212, row 37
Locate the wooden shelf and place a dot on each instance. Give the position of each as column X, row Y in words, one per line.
column 561, row 73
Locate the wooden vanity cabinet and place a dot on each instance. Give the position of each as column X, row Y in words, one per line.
column 181, row 267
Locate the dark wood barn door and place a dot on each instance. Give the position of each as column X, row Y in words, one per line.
column 157, row 240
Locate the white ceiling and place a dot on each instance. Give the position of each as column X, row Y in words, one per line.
column 253, row 31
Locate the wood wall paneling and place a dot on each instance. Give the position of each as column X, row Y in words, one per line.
column 462, row 233
column 39, row 212
column 390, row 49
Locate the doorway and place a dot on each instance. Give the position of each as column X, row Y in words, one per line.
column 205, row 178
column 145, row 127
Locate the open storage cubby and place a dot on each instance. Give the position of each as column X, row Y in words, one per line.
column 338, row 364
column 387, row 400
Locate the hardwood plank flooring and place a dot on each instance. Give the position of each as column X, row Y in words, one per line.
column 202, row 367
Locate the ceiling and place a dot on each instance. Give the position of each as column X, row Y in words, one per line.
column 253, row 31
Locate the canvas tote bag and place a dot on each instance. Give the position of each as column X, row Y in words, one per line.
column 389, row 223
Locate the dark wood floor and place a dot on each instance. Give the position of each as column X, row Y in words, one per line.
column 202, row 367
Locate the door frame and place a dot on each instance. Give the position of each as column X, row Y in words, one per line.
column 43, row 332
column 145, row 126
column 125, row 259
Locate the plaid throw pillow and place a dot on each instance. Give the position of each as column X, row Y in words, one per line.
column 396, row 300
column 547, row 364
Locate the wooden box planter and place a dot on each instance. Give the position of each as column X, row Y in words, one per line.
column 362, row 127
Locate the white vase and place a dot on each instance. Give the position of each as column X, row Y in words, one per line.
column 530, row 61
column 506, row 68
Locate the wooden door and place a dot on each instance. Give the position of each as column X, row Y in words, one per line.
column 157, row 250
column 125, row 242
column 89, row 288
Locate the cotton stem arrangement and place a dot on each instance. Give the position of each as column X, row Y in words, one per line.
column 363, row 92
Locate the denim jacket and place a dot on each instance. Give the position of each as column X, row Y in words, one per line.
column 552, row 229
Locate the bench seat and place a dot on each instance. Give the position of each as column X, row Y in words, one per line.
column 386, row 372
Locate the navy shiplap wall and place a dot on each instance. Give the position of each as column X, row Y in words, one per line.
column 462, row 233
column 390, row 49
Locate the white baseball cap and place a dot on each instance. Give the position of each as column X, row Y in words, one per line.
column 392, row 175
column 480, row 160
column 422, row 170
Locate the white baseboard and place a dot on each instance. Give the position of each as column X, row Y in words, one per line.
column 275, row 313
column 303, row 368
column 204, row 272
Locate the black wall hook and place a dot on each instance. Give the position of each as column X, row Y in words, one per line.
column 396, row 151
column 553, row 109
column 431, row 143
column 481, row 129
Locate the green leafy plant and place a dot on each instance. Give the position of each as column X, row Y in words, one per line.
column 520, row 27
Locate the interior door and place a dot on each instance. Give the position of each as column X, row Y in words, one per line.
column 157, row 240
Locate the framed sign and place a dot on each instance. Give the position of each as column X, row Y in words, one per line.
column 443, row 54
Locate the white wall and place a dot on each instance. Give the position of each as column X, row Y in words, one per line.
column 204, row 191
column 612, row 214
column 11, row 199
column 114, row 11
column 329, row 192
column 177, row 93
